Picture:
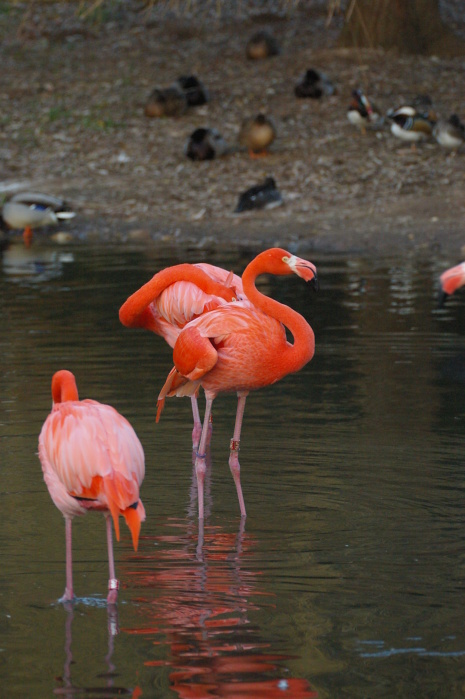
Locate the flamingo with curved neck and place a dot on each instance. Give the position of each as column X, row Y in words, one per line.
column 175, row 296
column 241, row 347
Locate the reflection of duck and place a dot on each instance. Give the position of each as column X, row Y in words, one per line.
column 257, row 134
column 450, row 133
column 33, row 265
column 314, row 85
column 205, row 144
column 29, row 210
column 260, row 196
column 262, row 45
column 361, row 111
column 414, row 122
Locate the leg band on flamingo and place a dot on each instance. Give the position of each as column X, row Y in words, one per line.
column 200, row 456
column 234, row 446
column 113, row 584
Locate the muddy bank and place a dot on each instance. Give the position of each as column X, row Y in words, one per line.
column 72, row 97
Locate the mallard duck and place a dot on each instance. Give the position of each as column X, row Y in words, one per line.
column 166, row 102
column 29, row 210
column 196, row 94
column 314, row 85
column 450, row 133
column 257, row 134
column 361, row 111
column 205, row 144
column 260, row 196
column 262, row 45
column 412, row 124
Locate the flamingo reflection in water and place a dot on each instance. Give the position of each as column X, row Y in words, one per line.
column 67, row 688
column 196, row 593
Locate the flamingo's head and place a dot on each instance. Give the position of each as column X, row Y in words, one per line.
column 451, row 280
column 280, row 262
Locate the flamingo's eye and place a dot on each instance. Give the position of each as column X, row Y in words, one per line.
column 285, row 258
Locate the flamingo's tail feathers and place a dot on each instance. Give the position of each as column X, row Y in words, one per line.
column 134, row 516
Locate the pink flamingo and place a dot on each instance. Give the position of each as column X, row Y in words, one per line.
column 91, row 460
column 451, row 280
column 241, row 347
column 174, row 297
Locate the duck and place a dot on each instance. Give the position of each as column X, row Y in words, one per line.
column 168, row 101
column 205, row 144
column 314, row 85
column 262, row 45
column 261, row 196
column 450, row 133
column 29, row 210
column 361, row 111
column 195, row 92
column 257, row 134
column 415, row 122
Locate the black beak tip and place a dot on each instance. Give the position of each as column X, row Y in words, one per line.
column 315, row 283
column 442, row 297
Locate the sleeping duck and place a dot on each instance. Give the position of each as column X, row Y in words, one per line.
column 257, row 134
column 261, row 45
column 413, row 123
column 361, row 111
column 260, row 196
column 29, row 210
column 166, row 102
column 314, row 85
column 450, row 133
column 205, row 144
column 196, row 93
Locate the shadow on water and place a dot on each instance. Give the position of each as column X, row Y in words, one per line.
column 347, row 579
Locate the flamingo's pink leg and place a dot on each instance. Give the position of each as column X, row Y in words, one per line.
column 200, row 459
column 197, row 430
column 234, row 450
column 68, row 593
column 113, row 583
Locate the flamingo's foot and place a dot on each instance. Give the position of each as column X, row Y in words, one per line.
column 68, row 596
column 113, row 587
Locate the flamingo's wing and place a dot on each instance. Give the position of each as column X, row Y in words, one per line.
column 90, row 453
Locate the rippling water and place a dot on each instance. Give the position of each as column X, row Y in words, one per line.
column 347, row 578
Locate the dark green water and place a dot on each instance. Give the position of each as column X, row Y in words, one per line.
column 347, row 578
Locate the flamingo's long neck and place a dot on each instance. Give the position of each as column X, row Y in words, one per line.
column 64, row 387
column 134, row 311
column 303, row 348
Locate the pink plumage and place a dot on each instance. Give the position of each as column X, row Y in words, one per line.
column 91, row 460
column 241, row 347
column 175, row 296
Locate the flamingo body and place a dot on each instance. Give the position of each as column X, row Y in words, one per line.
column 91, row 460
column 241, row 347
column 174, row 297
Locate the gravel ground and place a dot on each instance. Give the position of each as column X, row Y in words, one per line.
column 72, row 95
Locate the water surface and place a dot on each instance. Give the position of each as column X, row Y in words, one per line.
column 346, row 579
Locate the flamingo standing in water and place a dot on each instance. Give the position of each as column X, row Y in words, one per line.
column 91, row 460
column 451, row 280
column 241, row 347
column 174, row 297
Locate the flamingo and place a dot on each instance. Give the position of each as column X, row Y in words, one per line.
column 91, row 460
column 451, row 280
column 241, row 347
column 173, row 297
